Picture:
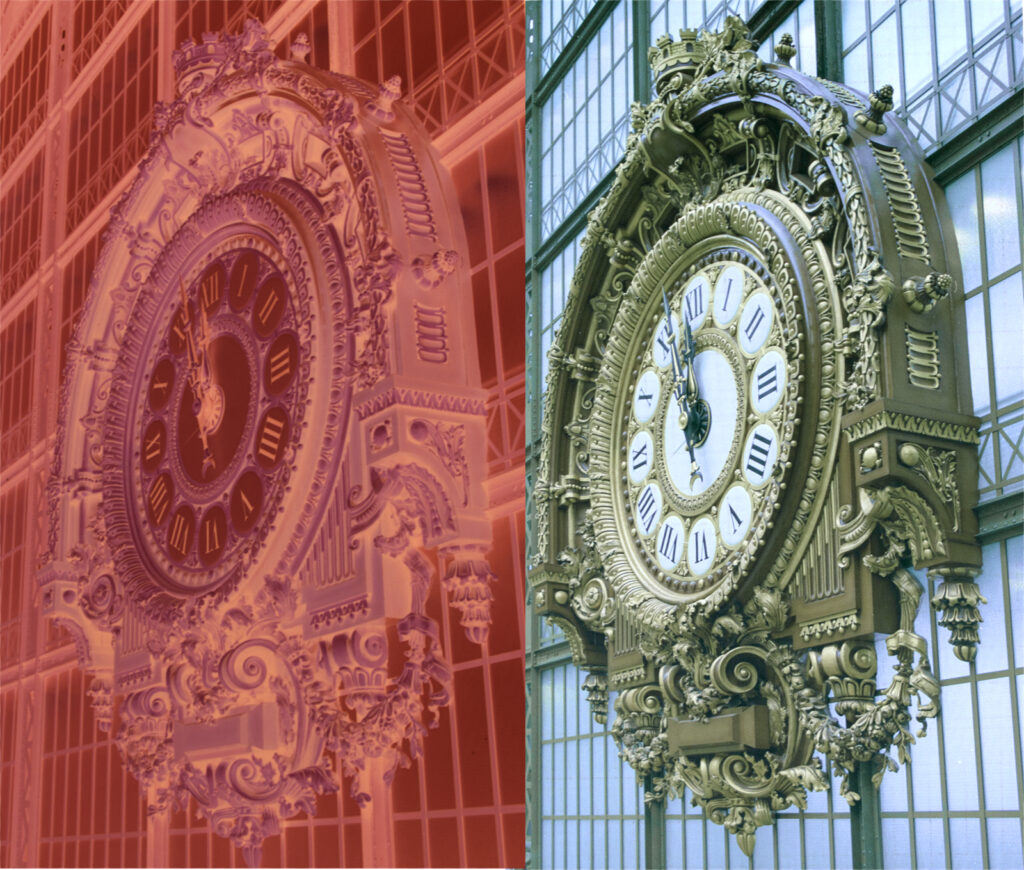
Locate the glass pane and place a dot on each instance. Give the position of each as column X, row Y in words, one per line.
column 886, row 56
column 807, row 48
column 854, row 22
column 1002, row 223
column 855, row 68
column 965, row 839
column 992, row 650
column 879, row 8
column 1004, row 844
column 1015, row 584
column 1006, row 302
column 961, row 769
column 997, row 749
column 930, row 843
column 950, row 32
column 896, row 843
column 977, row 346
column 963, row 206
column 986, row 15
column 917, row 44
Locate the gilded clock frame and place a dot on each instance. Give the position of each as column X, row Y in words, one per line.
column 698, row 239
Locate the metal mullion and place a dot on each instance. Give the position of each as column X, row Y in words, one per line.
column 979, row 769
column 979, row 200
column 1004, row 571
column 940, row 737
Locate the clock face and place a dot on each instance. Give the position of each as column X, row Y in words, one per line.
column 216, row 415
column 702, row 429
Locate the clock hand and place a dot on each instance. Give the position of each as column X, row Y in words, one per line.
column 678, row 381
column 197, row 378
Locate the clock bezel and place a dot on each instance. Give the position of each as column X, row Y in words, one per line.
column 695, row 239
column 308, row 253
column 202, row 498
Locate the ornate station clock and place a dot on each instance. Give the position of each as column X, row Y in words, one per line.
column 271, row 440
column 756, row 426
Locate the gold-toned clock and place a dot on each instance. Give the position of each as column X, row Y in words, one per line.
column 756, row 423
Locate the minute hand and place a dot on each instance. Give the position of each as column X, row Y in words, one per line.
column 681, row 388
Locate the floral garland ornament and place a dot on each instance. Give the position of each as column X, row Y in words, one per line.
column 755, row 432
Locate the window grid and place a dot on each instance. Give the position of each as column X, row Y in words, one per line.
column 95, row 816
column 987, row 214
column 818, row 837
column 93, row 23
column 491, row 190
column 559, row 20
column 21, row 215
column 109, row 127
column 671, row 16
column 23, row 95
column 196, row 17
column 446, row 70
column 585, row 119
column 76, row 278
column 959, row 801
column 16, row 353
column 13, row 512
column 598, row 823
column 318, row 841
column 8, row 730
column 942, row 81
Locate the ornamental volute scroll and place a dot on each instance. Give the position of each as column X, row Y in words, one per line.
column 757, row 429
column 271, row 443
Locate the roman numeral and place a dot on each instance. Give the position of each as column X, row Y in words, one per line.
column 159, row 499
column 665, row 349
column 178, row 538
column 270, row 438
column 247, row 506
column 280, row 364
column 210, row 290
column 177, row 330
column 640, row 458
column 647, row 508
column 211, row 536
column 695, row 302
column 153, row 446
column 645, row 397
column 700, row 547
column 736, row 521
column 668, row 542
column 269, row 304
column 728, row 290
column 161, row 385
column 767, row 382
column 758, row 457
column 751, row 328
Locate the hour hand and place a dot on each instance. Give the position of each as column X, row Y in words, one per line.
column 689, row 352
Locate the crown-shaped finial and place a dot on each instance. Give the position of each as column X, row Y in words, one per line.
column 674, row 63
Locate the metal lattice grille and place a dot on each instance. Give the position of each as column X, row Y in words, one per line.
column 585, row 119
column 947, row 62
